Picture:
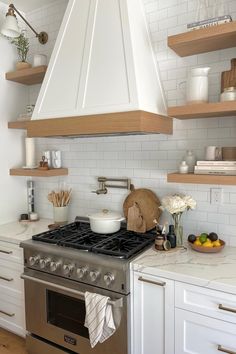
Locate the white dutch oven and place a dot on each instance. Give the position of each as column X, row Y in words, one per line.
column 105, row 222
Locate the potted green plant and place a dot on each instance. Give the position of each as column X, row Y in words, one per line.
column 22, row 46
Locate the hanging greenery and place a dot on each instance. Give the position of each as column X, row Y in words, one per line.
column 22, row 46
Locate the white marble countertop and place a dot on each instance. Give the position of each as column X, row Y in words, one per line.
column 16, row 232
column 216, row 271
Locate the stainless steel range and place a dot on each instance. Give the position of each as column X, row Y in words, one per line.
column 60, row 266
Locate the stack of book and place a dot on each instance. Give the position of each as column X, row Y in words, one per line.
column 225, row 168
column 209, row 23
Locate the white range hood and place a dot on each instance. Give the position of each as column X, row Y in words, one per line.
column 102, row 76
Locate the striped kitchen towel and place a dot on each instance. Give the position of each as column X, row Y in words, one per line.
column 99, row 318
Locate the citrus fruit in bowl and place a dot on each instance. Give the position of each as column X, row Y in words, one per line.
column 206, row 243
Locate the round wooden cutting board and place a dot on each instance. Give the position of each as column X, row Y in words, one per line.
column 148, row 204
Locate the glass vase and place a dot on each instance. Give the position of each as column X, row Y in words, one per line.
column 178, row 229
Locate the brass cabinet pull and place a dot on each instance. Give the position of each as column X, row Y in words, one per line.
column 221, row 307
column 7, row 314
column 224, row 350
column 6, row 279
column 159, row 283
column 6, row 252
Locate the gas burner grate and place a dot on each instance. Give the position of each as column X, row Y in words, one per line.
column 78, row 235
column 61, row 233
column 124, row 245
column 86, row 240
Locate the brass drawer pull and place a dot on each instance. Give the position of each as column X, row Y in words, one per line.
column 159, row 283
column 6, row 279
column 224, row 350
column 7, row 314
column 6, row 252
column 221, row 307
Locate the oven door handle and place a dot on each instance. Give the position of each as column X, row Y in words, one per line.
column 115, row 303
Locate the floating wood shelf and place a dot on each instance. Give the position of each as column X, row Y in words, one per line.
column 18, row 125
column 38, row 173
column 205, row 110
column 200, row 179
column 29, row 76
column 204, row 40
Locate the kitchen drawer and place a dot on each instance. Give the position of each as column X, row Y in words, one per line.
column 10, row 279
column 199, row 334
column 207, row 302
column 11, row 252
column 12, row 313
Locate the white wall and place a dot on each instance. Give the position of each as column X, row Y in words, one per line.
column 13, row 100
column 147, row 159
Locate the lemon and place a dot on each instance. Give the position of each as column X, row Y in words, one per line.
column 197, row 242
column 207, row 244
column 216, row 243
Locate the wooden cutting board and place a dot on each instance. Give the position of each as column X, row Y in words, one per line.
column 228, row 78
column 148, row 204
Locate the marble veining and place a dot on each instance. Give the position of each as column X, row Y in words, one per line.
column 216, row 271
column 16, row 232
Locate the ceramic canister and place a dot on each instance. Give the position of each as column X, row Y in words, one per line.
column 197, row 85
column 39, row 59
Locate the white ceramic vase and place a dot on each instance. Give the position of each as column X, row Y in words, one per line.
column 60, row 215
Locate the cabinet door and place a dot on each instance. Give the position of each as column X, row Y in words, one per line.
column 203, row 335
column 153, row 315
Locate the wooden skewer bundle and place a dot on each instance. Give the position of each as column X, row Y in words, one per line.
column 61, row 198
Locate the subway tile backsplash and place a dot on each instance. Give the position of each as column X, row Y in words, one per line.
column 146, row 159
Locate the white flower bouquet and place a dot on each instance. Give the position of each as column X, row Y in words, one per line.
column 176, row 205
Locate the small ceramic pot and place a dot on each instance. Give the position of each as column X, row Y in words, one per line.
column 60, row 215
column 21, row 65
column 105, row 222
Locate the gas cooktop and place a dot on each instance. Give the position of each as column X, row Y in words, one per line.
column 78, row 235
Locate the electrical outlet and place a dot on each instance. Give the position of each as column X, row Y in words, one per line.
column 216, row 196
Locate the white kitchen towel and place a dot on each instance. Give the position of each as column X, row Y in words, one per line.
column 99, row 318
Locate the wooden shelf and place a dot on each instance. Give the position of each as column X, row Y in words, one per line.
column 18, row 125
column 29, row 76
column 38, row 173
column 205, row 110
column 200, row 179
column 204, row 40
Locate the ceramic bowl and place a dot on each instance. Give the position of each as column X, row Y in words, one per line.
column 207, row 249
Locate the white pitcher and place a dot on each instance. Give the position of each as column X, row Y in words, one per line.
column 197, row 85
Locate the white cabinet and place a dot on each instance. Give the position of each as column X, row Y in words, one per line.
column 12, row 309
column 199, row 334
column 153, row 315
column 206, row 302
column 205, row 320
column 170, row 317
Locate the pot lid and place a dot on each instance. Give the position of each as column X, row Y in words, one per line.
column 106, row 214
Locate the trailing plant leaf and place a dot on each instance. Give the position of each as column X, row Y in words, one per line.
column 22, row 46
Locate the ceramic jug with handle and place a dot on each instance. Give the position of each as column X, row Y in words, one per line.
column 197, row 85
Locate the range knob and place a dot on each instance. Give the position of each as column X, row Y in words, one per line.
column 81, row 272
column 54, row 266
column 94, row 274
column 109, row 278
column 68, row 269
column 44, row 263
column 34, row 260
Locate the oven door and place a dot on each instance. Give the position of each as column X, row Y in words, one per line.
column 55, row 311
